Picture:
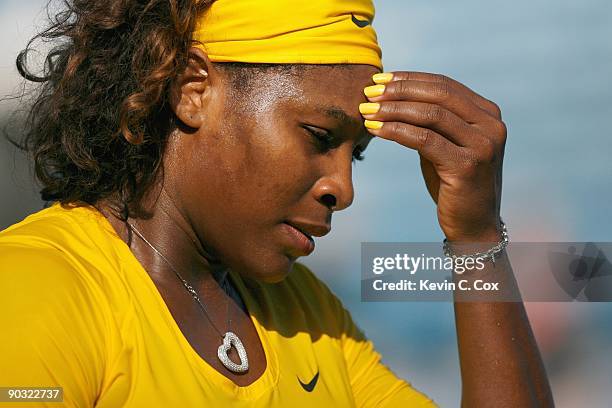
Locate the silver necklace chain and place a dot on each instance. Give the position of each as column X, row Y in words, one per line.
column 229, row 339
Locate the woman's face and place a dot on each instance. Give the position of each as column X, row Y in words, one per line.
column 274, row 154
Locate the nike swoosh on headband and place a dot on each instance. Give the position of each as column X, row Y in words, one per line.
column 310, row 386
column 360, row 23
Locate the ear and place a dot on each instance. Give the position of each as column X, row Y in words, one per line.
column 191, row 88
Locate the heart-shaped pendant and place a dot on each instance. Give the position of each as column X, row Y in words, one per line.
column 229, row 340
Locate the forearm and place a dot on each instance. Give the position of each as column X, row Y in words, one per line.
column 500, row 361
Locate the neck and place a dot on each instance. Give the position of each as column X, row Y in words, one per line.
column 169, row 231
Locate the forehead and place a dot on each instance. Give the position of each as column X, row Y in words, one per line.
column 332, row 91
column 336, row 81
column 333, row 83
column 335, row 90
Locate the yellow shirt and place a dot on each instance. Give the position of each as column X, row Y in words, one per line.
column 78, row 310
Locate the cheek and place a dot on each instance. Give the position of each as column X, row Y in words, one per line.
column 271, row 165
column 256, row 169
column 276, row 164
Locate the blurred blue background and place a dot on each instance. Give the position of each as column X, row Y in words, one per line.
column 548, row 64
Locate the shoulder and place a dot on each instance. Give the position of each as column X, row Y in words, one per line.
column 53, row 277
column 40, row 259
column 55, row 315
column 301, row 293
column 59, row 244
column 303, row 275
column 317, row 301
column 58, row 261
column 56, row 225
column 304, row 283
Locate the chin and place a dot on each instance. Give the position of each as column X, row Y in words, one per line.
column 273, row 271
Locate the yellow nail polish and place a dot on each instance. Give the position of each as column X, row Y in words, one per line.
column 373, row 124
column 374, row 90
column 369, row 108
column 382, row 78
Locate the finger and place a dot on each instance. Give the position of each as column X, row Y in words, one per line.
column 430, row 144
column 430, row 92
column 427, row 115
column 443, row 81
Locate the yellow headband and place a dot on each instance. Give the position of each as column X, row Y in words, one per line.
column 290, row 31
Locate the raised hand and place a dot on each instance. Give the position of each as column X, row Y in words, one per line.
column 460, row 137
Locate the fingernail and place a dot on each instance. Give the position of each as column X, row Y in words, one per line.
column 374, row 90
column 382, row 78
column 369, row 108
column 373, row 124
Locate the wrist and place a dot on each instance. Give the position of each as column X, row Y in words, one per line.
column 489, row 243
column 478, row 249
column 488, row 233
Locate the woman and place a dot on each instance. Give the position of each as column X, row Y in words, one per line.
column 192, row 150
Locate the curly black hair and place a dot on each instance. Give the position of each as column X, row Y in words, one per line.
column 100, row 117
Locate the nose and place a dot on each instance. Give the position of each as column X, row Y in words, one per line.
column 334, row 188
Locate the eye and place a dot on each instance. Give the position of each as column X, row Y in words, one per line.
column 323, row 139
column 326, row 141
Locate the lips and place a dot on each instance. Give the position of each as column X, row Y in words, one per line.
column 301, row 235
column 310, row 228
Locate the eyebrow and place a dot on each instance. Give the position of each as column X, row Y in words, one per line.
column 343, row 117
column 339, row 114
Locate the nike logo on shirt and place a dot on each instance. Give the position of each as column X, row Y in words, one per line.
column 360, row 23
column 310, row 386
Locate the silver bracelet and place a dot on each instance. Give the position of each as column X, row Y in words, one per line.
column 491, row 254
